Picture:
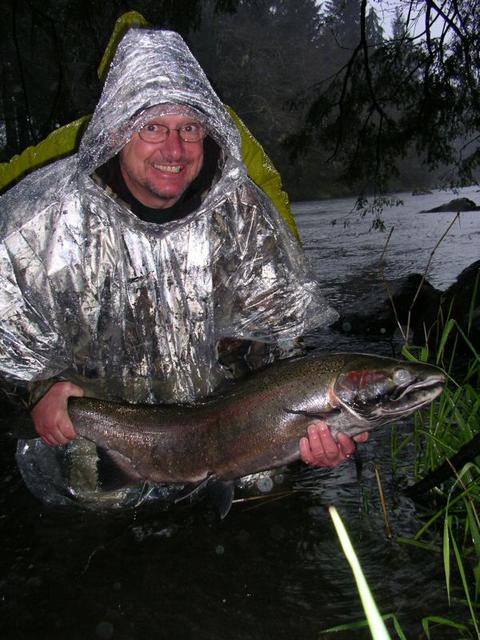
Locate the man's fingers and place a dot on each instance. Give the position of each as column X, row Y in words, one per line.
column 50, row 414
column 75, row 390
column 362, row 437
column 58, row 434
column 322, row 443
column 321, row 449
column 306, row 452
column 346, row 445
column 54, row 438
column 67, row 430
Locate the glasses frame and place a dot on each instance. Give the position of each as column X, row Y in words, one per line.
column 168, row 130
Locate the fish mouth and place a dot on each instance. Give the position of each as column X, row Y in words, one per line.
column 417, row 395
column 407, row 399
column 433, row 384
column 401, row 402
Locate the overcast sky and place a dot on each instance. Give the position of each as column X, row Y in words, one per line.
column 385, row 10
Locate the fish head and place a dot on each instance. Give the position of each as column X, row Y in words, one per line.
column 382, row 390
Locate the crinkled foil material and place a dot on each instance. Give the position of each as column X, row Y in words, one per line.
column 132, row 310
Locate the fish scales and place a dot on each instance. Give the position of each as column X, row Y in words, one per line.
column 258, row 423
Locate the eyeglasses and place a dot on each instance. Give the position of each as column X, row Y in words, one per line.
column 154, row 132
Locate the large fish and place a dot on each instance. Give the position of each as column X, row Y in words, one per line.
column 258, row 423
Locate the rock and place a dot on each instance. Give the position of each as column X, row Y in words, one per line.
column 458, row 204
column 423, row 309
column 458, row 303
column 374, row 313
column 421, row 192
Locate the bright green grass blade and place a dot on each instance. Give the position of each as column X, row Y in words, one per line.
column 375, row 621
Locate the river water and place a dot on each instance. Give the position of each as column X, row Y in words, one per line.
column 273, row 569
column 353, row 261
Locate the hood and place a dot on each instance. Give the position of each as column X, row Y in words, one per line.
column 152, row 67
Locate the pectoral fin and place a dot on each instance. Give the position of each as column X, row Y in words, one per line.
column 114, row 470
column 220, row 493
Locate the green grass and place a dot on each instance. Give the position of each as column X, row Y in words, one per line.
column 374, row 620
column 451, row 528
column 451, row 422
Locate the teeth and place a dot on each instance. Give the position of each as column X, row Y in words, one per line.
column 168, row 168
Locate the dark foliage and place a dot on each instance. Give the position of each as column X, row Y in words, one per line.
column 414, row 93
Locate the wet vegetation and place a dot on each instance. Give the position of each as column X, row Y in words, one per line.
column 449, row 504
column 452, row 515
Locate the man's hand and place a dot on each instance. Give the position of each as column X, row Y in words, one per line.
column 50, row 414
column 321, row 449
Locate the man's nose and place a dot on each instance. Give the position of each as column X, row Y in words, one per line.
column 173, row 145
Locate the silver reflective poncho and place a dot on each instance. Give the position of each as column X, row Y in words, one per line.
column 135, row 310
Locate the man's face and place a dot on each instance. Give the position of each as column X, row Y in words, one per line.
column 157, row 174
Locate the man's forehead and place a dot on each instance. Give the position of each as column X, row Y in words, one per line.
column 173, row 118
column 168, row 109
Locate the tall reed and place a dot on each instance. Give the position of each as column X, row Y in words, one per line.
column 452, row 422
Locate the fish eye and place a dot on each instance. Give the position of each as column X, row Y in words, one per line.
column 402, row 376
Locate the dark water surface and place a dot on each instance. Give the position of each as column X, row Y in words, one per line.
column 273, row 569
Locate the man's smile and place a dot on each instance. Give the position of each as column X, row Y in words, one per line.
column 168, row 168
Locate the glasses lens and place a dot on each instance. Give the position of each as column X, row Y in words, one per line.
column 153, row 132
column 191, row 132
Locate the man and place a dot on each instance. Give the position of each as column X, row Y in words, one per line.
column 147, row 266
column 65, row 140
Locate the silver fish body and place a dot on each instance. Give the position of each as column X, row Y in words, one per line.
column 258, row 423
